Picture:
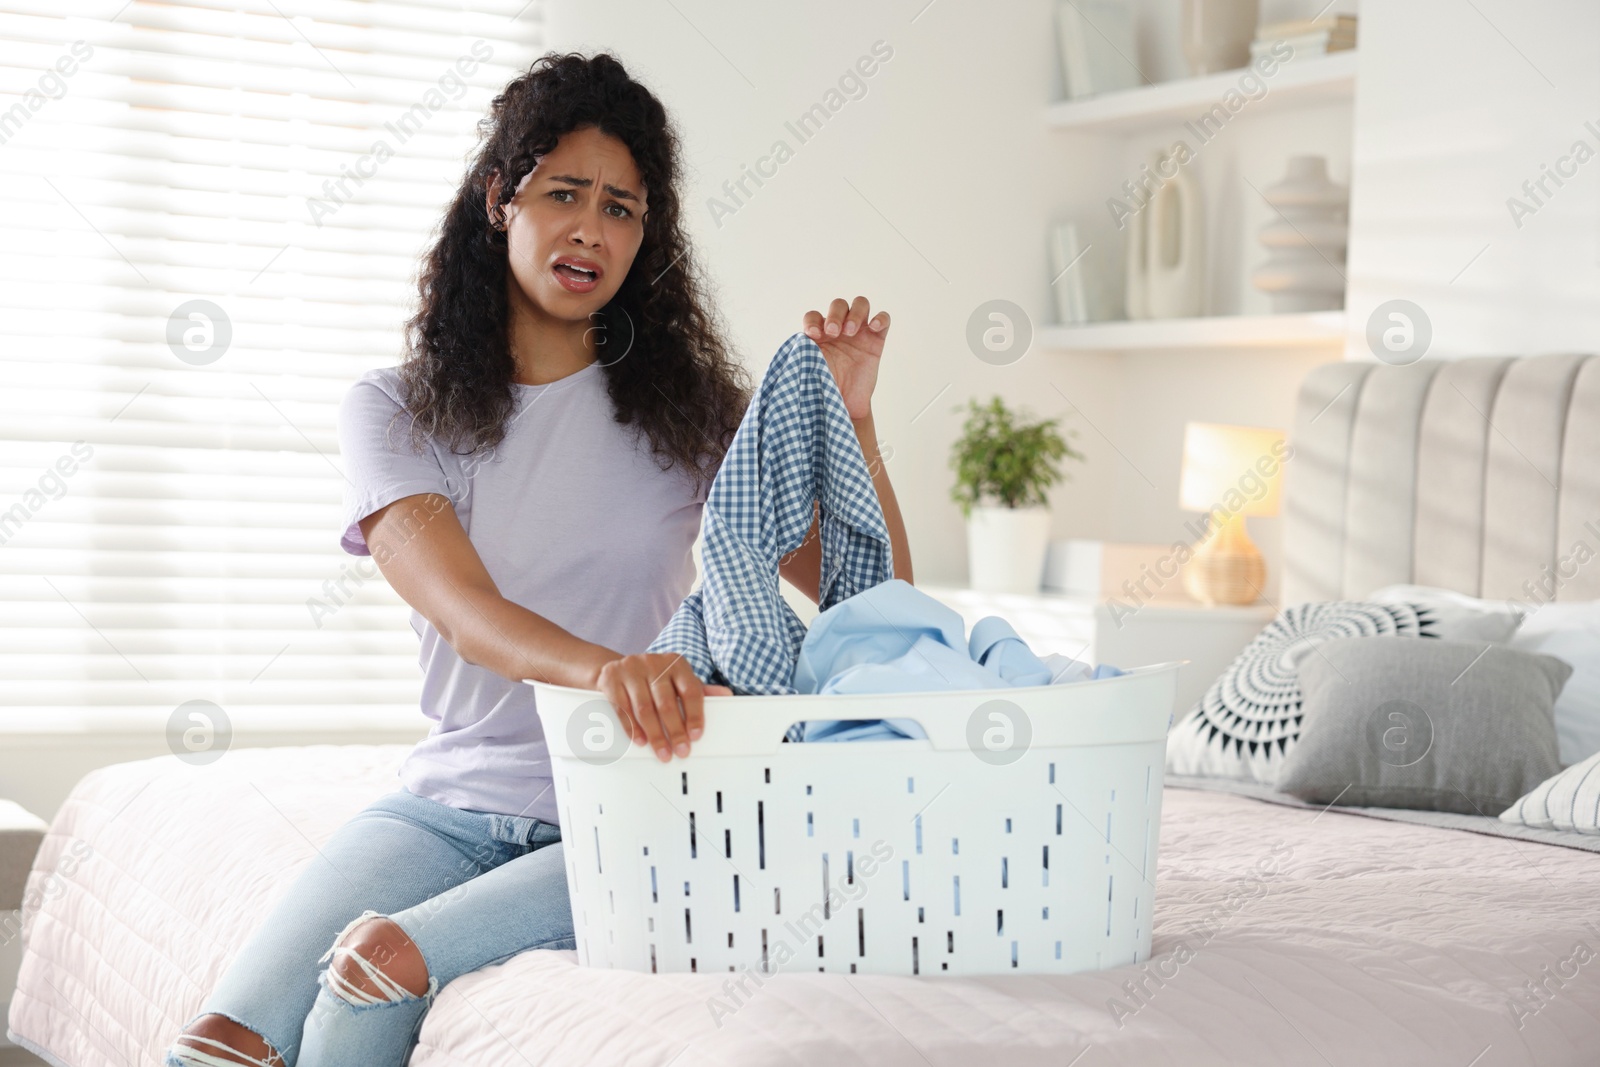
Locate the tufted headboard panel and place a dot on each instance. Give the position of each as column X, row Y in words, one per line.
column 1479, row 475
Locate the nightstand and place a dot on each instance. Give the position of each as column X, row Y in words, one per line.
column 1099, row 631
column 21, row 833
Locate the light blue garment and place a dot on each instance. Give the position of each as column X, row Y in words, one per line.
column 996, row 645
column 469, row 888
column 1064, row 669
column 894, row 638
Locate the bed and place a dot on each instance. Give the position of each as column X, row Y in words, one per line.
column 1283, row 933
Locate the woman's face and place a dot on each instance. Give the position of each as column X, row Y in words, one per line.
column 582, row 206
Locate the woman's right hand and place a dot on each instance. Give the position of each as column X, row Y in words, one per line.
column 659, row 700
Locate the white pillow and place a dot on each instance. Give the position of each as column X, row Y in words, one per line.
column 1570, row 632
column 1458, row 617
column 1566, row 801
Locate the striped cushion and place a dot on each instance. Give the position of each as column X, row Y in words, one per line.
column 1566, row 801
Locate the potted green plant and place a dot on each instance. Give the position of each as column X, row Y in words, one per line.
column 1004, row 468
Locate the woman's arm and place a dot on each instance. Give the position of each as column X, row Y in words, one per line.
column 866, row 433
column 421, row 548
column 802, row 568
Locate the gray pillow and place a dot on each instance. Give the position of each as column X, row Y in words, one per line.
column 1250, row 716
column 1458, row 726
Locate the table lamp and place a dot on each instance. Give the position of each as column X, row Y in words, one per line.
column 1229, row 472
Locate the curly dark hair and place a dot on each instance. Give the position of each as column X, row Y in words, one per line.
column 677, row 383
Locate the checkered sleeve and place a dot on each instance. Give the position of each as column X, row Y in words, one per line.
column 795, row 446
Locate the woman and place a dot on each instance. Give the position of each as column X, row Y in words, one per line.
column 530, row 480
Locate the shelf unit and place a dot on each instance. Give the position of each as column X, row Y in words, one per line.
column 1298, row 83
column 1302, row 330
column 1155, row 111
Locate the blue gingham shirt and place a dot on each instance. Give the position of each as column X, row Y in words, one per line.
column 795, row 445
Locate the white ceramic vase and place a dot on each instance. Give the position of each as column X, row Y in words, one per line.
column 1136, row 266
column 1006, row 548
column 1217, row 34
column 1164, row 272
column 1306, row 239
column 1175, row 249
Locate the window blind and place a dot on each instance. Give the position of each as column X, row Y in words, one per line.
column 214, row 216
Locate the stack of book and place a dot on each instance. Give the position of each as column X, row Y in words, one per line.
column 1308, row 37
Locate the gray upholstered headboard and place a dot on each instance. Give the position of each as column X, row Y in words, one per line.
column 1480, row 475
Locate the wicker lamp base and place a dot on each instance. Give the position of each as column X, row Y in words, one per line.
column 1226, row 567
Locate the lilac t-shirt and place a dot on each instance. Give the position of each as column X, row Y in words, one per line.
column 574, row 520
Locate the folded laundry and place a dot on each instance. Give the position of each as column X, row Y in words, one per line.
column 796, row 447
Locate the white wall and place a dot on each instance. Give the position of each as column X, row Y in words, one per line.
column 1457, row 106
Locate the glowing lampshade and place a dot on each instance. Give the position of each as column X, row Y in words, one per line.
column 1235, row 468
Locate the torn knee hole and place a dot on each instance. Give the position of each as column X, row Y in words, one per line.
column 218, row 1041
column 374, row 962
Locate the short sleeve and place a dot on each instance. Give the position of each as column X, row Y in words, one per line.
column 702, row 490
column 380, row 466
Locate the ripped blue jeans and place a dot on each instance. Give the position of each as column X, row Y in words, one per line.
column 469, row 888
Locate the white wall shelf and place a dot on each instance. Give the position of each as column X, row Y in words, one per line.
column 1311, row 80
column 1216, row 332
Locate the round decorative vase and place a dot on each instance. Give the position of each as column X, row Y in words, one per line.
column 1306, row 239
column 1006, row 548
column 1217, row 34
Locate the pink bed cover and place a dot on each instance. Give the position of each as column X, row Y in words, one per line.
column 1282, row 937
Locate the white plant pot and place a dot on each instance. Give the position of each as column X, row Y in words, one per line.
column 1006, row 548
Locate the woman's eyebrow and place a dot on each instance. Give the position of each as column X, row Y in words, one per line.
column 619, row 193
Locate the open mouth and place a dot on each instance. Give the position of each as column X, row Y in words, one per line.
column 576, row 279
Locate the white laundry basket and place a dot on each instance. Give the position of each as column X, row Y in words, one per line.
column 1018, row 838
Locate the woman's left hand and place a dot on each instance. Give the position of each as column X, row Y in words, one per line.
column 852, row 345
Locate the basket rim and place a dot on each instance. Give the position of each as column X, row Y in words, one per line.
column 1132, row 672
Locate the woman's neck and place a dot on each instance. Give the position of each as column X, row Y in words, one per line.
column 543, row 347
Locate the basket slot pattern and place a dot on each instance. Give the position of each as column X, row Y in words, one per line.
column 1098, row 811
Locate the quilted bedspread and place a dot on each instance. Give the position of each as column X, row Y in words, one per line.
column 1282, row 937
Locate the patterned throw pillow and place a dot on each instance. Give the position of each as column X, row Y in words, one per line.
column 1250, row 717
